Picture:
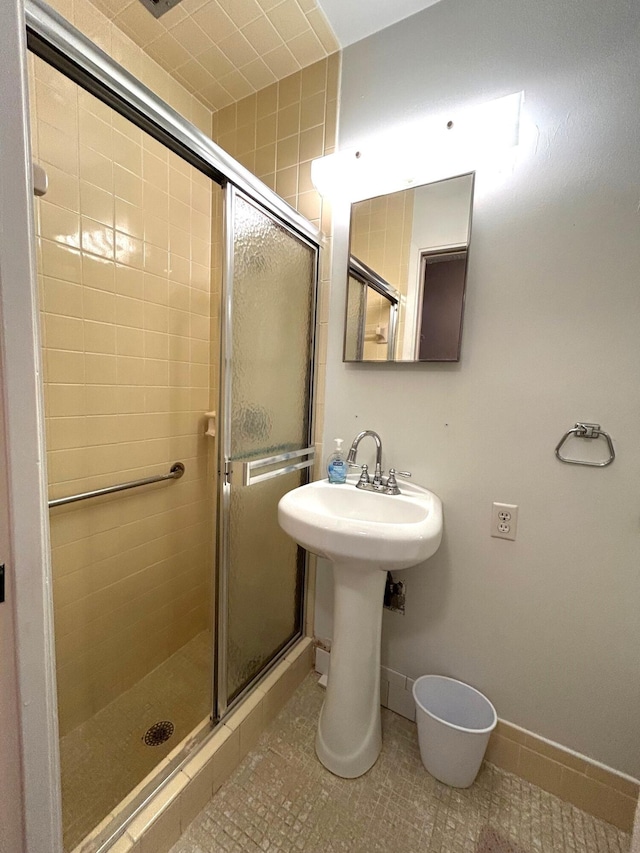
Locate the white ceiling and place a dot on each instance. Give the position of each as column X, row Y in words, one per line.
column 352, row 20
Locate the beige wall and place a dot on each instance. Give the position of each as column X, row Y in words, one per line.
column 127, row 351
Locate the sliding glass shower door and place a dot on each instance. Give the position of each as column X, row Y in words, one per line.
column 270, row 284
column 124, row 261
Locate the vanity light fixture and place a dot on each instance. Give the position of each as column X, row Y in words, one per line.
column 422, row 152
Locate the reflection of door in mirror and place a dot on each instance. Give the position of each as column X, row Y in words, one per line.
column 390, row 237
column 440, row 311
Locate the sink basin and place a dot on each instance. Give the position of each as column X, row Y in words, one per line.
column 364, row 534
column 378, row 531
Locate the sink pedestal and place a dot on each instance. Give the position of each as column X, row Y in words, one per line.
column 349, row 736
column 364, row 534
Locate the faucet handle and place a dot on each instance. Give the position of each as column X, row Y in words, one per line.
column 364, row 476
column 392, row 484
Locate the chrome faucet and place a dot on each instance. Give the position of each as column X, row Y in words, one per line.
column 388, row 486
column 353, row 450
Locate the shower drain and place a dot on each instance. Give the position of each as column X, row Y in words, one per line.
column 158, row 733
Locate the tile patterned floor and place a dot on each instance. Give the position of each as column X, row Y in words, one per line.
column 282, row 799
column 103, row 759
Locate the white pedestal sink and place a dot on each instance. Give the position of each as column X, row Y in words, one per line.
column 364, row 534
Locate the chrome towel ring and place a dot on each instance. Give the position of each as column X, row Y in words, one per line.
column 584, row 430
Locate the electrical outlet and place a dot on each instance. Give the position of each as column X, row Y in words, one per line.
column 504, row 521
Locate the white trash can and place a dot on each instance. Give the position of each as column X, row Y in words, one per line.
column 455, row 722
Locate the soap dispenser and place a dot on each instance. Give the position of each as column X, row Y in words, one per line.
column 337, row 464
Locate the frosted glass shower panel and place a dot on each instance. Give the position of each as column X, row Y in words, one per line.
column 269, row 372
column 265, row 581
column 272, row 316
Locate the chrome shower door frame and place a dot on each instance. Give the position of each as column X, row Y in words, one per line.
column 222, row 705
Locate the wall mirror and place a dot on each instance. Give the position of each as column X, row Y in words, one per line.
column 407, row 273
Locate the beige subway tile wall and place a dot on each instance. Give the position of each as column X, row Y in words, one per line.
column 124, row 256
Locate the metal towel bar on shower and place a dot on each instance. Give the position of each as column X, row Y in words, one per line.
column 271, row 466
column 584, row 430
column 175, row 472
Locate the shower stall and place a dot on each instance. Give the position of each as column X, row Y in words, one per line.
column 177, row 304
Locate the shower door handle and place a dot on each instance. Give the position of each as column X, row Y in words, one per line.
column 268, row 467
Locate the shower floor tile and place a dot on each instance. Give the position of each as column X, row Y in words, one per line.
column 103, row 759
column 282, row 799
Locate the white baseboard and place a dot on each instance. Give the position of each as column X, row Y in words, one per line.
column 322, row 661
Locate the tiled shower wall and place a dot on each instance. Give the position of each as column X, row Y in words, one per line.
column 124, row 256
column 277, row 132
